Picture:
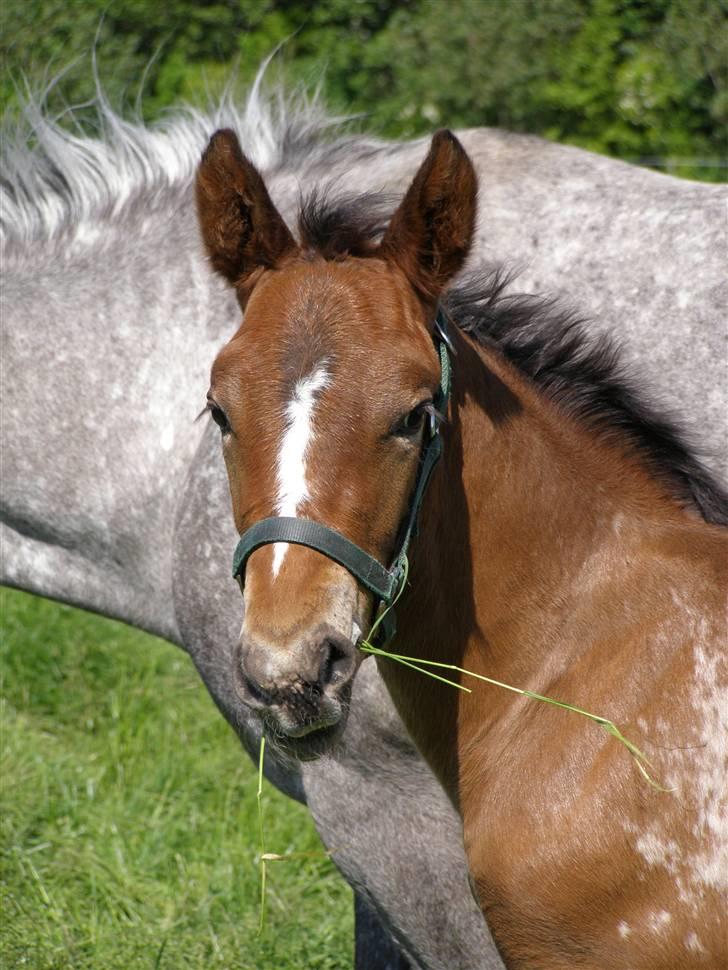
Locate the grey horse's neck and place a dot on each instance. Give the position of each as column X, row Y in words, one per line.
column 97, row 443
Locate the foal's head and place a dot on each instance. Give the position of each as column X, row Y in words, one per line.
column 321, row 398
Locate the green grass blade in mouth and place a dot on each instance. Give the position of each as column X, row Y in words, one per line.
column 418, row 664
column 408, row 662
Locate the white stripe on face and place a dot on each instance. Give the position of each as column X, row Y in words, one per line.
column 292, row 484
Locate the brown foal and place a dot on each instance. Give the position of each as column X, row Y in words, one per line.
column 559, row 550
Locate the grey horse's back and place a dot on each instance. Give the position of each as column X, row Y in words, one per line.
column 640, row 253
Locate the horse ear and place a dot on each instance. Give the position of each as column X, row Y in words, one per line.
column 430, row 233
column 241, row 228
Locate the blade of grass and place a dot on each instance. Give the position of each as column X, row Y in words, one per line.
column 377, row 651
column 265, row 857
column 417, row 663
column 313, row 854
column 261, row 836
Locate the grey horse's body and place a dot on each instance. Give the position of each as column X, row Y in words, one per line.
column 115, row 499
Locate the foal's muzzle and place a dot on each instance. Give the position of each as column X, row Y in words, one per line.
column 299, row 689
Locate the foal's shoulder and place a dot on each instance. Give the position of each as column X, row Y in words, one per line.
column 689, row 561
column 689, row 537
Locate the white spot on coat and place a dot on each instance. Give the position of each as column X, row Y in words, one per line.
column 659, row 921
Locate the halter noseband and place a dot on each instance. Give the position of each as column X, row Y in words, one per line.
column 382, row 582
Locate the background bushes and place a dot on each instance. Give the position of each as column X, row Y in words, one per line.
column 643, row 80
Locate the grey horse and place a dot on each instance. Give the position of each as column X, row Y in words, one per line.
column 115, row 499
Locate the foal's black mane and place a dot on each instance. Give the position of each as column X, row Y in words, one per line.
column 585, row 376
column 550, row 345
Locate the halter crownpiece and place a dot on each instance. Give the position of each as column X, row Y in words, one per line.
column 382, row 582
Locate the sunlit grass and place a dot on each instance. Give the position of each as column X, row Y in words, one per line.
column 128, row 815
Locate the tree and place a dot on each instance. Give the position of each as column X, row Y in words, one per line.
column 640, row 79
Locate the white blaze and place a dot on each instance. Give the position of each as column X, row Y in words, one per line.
column 292, row 484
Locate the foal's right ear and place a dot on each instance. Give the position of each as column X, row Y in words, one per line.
column 242, row 230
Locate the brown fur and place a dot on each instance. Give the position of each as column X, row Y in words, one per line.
column 550, row 557
column 241, row 227
column 430, row 232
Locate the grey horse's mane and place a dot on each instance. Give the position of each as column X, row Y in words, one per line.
column 55, row 183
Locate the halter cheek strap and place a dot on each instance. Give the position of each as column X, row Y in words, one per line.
column 382, row 582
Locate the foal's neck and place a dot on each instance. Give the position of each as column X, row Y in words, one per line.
column 527, row 504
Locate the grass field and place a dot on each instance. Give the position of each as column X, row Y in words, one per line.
column 128, row 815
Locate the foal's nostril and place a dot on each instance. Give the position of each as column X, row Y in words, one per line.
column 248, row 688
column 337, row 663
column 255, row 692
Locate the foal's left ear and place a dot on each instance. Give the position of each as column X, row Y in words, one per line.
column 430, row 233
column 241, row 228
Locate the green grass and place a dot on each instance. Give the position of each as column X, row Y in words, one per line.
column 128, row 815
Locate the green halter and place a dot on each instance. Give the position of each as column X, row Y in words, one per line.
column 382, row 582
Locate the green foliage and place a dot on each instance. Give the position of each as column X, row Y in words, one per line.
column 621, row 90
column 128, row 819
column 632, row 78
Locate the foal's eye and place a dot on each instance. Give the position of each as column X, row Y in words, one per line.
column 219, row 417
column 410, row 425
